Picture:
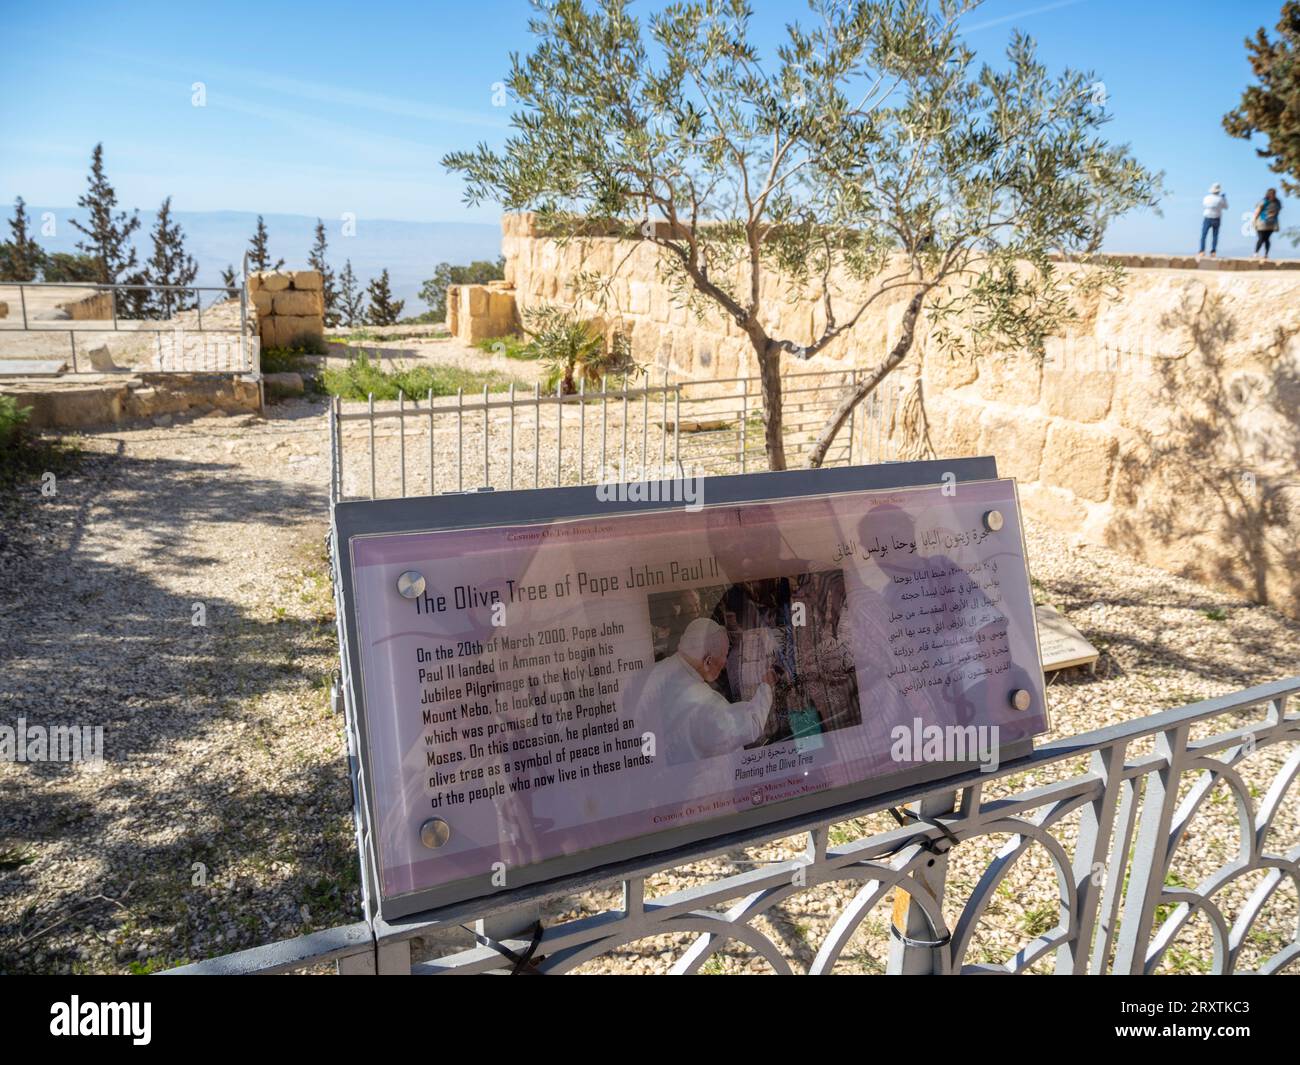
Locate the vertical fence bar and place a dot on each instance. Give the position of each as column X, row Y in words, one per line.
column 433, row 479
column 112, row 302
column 512, row 435
column 22, row 298
column 645, row 428
column 622, row 473
column 744, row 418
column 677, row 429
column 1151, row 852
column 853, row 382
column 372, row 444
column 582, row 431
column 401, row 437
column 487, row 467
column 559, row 431
column 198, row 303
column 663, row 430
column 604, row 423
column 1090, row 854
column 460, row 440
column 537, row 432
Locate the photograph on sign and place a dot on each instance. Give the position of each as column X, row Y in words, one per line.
column 539, row 691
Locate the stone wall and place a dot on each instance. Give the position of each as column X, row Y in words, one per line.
column 97, row 306
column 477, row 312
column 290, row 306
column 63, row 403
column 1165, row 424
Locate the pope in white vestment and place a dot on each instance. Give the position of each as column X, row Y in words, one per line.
column 698, row 722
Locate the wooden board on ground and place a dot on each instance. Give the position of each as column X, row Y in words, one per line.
column 31, row 367
column 1061, row 644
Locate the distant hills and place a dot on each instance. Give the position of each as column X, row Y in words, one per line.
column 410, row 250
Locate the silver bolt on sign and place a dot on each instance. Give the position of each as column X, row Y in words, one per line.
column 410, row 585
column 1021, row 699
column 434, row 833
column 993, row 520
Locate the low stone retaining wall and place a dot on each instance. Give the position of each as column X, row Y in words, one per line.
column 96, row 307
column 62, row 405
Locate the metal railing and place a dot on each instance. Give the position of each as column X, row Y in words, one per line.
column 1112, row 824
column 1107, row 811
column 632, row 429
column 104, row 333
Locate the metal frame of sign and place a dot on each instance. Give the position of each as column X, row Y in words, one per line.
column 488, row 508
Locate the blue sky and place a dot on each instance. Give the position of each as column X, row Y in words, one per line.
column 326, row 108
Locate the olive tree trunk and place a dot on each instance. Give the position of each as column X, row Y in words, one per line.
column 864, row 388
column 769, row 368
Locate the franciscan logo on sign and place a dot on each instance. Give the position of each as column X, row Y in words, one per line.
column 132, row 1019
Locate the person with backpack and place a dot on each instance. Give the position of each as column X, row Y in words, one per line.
column 1266, row 224
column 1212, row 207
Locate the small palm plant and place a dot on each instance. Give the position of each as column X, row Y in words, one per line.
column 573, row 348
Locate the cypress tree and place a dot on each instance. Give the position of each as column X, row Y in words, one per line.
column 259, row 255
column 21, row 258
column 329, row 291
column 108, row 231
column 1271, row 108
column 170, row 265
column 231, row 282
column 352, row 302
column 384, row 310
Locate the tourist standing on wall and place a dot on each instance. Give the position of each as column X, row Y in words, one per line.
column 1212, row 207
column 1266, row 212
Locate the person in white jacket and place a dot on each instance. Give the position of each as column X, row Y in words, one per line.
column 1213, row 204
column 699, row 722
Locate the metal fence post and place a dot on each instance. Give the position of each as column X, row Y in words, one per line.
column 906, row 959
column 1151, row 852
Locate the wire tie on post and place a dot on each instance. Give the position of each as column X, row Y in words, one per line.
column 524, row 964
column 906, row 818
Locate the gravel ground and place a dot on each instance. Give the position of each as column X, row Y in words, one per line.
column 221, row 817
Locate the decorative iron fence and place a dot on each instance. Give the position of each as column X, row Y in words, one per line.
column 633, row 429
column 1112, row 826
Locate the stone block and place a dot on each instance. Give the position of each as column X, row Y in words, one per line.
column 262, row 301
column 274, row 280
column 1076, row 394
column 101, row 359
column 283, row 384
column 307, row 280
column 1059, row 507
column 291, row 331
column 1015, row 438
column 954, row 426
column 304, row 304
column 1079, row 458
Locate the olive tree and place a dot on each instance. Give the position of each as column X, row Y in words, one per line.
column 870, row 155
